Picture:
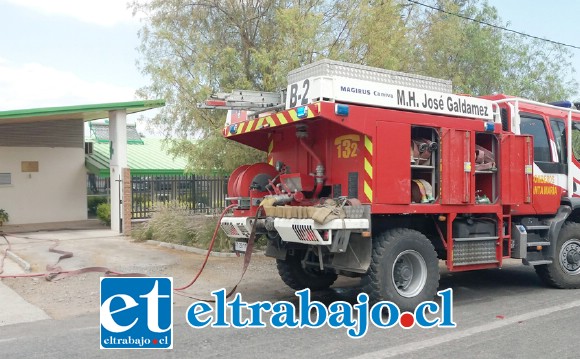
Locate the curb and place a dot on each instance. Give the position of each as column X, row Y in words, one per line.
column 195, row 250
column 21, row 262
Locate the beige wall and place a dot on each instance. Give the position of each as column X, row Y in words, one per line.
column 57, row 192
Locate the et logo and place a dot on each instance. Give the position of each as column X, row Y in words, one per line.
column 136, row 313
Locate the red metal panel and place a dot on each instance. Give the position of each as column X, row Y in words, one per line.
column 345, row 155
column 455, row 181
column 515, row 155
column 392, row 168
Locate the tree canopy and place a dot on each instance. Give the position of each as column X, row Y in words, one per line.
column 191, row 49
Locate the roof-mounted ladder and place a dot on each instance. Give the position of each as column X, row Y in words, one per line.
column 255, row 101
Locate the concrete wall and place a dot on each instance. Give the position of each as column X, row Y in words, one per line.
column 57, row 192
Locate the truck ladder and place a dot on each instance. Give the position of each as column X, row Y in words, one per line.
column 254, row 101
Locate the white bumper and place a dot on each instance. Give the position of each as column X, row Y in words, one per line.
column 237, row 227
column 306, row 230
column 294, row 230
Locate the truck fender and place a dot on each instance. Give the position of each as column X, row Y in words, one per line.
column 572, row 202
column 556, row 224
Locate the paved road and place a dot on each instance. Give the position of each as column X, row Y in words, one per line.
column 500, row 313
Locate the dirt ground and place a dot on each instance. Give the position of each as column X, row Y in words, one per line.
column 80, row 294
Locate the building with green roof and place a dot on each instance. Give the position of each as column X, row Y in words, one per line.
column 42, row 161
column 150, row 157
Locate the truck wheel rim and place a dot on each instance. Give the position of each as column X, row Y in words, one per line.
column 409, row 273
column 570, row 256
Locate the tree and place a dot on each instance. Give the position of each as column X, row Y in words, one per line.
column 537, row 70
column 464, row 52
column 194, row 48
column 482, row 59
column 372, row 33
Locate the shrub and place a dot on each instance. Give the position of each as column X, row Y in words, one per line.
column 104, row 213
column 172, row 222
column 142, row 232
column 169, row 223
column 4, row 217
column 205, row 229
column 93, row 202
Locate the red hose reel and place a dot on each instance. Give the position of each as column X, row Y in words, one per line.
column 246, row 177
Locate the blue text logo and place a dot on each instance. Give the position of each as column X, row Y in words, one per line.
column 355, row 318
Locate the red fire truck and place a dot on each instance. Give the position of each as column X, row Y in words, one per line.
column 379, row 175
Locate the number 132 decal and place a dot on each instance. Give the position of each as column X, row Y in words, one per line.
column 347, row 146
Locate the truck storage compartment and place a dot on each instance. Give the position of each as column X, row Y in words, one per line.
column 474, row 241
column 474, row 227
column 424, row 164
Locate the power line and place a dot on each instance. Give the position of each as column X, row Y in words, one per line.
column 494, row 26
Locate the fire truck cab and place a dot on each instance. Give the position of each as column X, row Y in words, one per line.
column 377, row 174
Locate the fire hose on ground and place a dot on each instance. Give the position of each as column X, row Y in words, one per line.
column 54, row 272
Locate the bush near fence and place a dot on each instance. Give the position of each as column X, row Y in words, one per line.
column 173, row 222
column 93, row 202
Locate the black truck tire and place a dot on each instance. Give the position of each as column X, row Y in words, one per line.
column 298, row 278
column 564, row 271
column 404, row 269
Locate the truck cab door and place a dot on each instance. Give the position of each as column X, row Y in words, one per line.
column 575, row 163
column 549, row 173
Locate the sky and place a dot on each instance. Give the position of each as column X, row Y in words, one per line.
column 73, row 52
column 68, row 52
column 556, row 20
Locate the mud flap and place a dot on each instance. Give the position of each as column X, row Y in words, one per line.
column 275, row 249
column 357, row 257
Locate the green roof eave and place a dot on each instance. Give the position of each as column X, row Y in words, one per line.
column 164, row 172
column 131, row 142
column 84, row 112
column 98, row 165
column 105, row 172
